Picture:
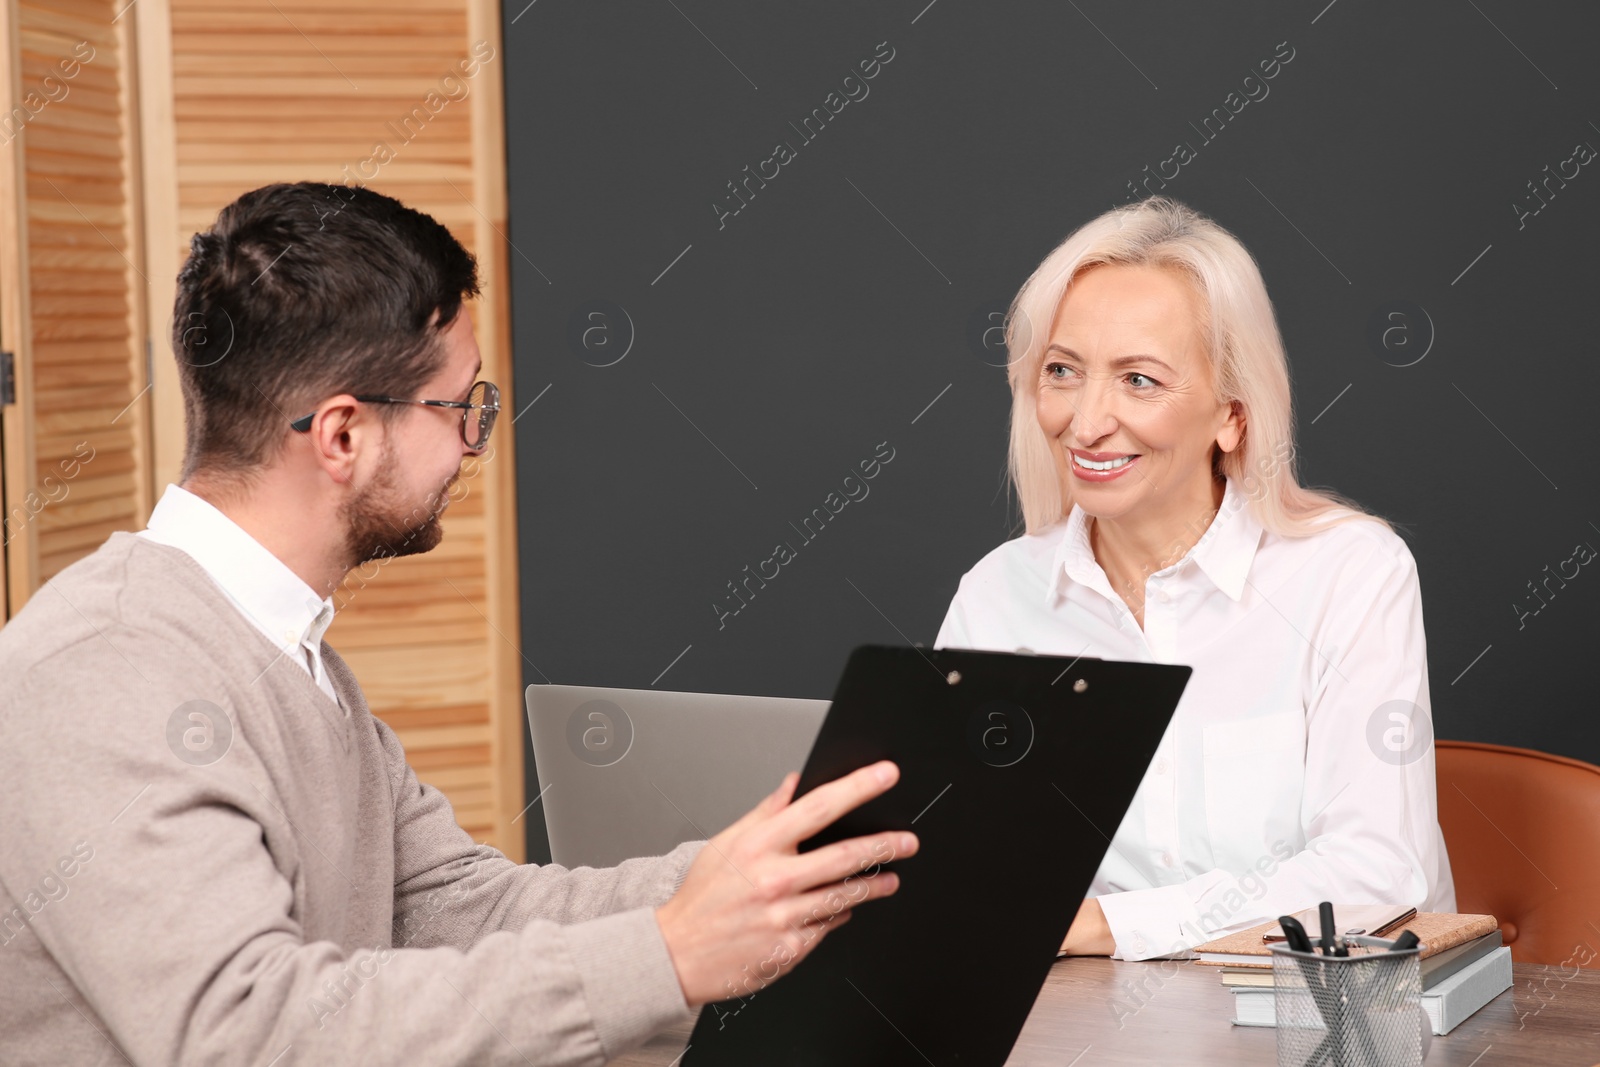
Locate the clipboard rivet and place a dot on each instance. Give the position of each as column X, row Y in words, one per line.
column 1079, row 686
column 954, row 677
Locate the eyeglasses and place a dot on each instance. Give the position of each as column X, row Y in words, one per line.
column 484, row 398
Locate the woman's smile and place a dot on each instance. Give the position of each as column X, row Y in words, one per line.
column 1101, row 466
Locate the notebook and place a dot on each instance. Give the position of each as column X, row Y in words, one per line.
column 1373, row 920
column 1438, row 931
column 1435, row 969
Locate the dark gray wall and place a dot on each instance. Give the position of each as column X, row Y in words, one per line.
column 756, row 359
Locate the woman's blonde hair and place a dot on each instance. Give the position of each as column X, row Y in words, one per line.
column 1248, row 364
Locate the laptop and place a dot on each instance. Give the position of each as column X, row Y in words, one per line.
column 1015, row 772
column 630, row 772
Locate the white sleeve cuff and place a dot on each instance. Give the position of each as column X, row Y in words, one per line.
column 1148, row 923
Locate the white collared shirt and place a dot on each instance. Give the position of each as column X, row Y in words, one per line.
column 280, row 604
column 1285, row 777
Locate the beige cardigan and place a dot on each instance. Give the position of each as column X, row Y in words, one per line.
column 269, row 883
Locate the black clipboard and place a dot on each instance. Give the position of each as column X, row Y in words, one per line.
column 1016, row 770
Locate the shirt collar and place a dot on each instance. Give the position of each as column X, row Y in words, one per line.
column 274, row 598
column 1223, row 553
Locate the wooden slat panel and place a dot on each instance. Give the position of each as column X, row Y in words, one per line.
column 91, row 23
column 469, row 755
column 97, row 483
column 426, row 737
column 57, row 400
column 75, row 259
column 78, row 281
column 456, row 715
column 75, row 513
column 458, row 776
column 463, row 631
column 85, row 295
column 113, row 306
column 70, row 115
column 410, row 676
column 74, row 542
column 86, row 188
column 102, row 101
column 283, row 41
column 250, row 111
column 66, row 165
column 370, row 71
column 442, row 27
column 468, row 798
column 109, row 445
column 80, row 220
column 53, row 139
column 76, row 352
column 67, row 423
column 41, row 58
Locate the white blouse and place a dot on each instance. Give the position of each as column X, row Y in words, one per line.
column 1298, row 766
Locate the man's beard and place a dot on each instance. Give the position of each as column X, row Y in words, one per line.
column 378, row 526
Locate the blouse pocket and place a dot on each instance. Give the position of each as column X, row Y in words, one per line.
column 1254, row 775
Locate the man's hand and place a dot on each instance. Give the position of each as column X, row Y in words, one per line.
column 752, row 906
column 1090, row 934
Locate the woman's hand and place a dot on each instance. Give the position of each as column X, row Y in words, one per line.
column 1090, row 934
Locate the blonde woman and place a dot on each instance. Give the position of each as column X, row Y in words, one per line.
column 1152, row 449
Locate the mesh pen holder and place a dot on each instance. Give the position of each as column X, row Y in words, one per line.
column 1360, row 1010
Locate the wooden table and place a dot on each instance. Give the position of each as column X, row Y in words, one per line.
column 1099, row 1011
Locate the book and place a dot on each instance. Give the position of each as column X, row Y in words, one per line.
column 1435, row 968
column 1439, row 931
column 1373, row 920
column 1450, row 1002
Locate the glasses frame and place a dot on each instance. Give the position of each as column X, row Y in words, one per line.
column 303, row 423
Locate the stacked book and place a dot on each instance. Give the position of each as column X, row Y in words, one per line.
column 1463, row 964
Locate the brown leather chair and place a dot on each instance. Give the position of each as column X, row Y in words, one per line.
column 1523, row 830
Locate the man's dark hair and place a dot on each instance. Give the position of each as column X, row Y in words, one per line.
column 300, row 292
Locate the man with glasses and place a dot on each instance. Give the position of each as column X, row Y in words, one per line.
column 210, row 850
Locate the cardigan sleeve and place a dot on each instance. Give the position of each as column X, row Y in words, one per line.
column 177, row 940
column 451, row 890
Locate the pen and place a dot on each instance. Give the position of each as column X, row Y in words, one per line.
column 1294, row 934
column 1330, row 944
column 1406, row 940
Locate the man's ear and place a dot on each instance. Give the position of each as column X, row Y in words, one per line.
column 342, row 431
